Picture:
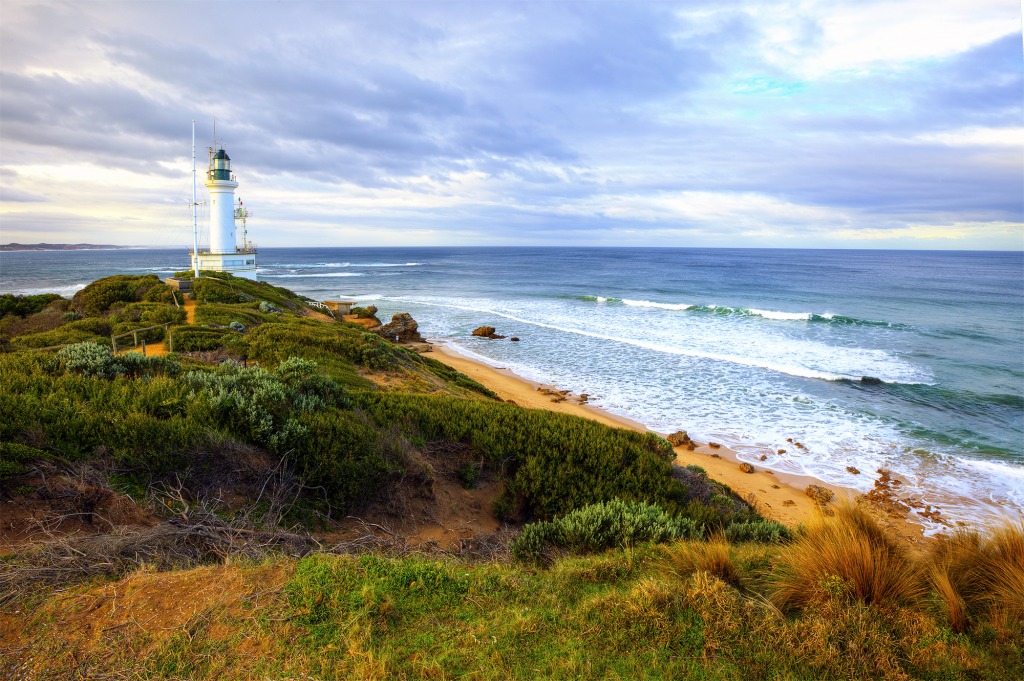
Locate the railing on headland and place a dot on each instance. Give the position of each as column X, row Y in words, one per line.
column 135, row 336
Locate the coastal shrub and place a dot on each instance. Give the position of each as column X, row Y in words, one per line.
column 260, row 406
column 248, row 402
column 91, row 359
column 60, row 336
column 90, row 329
column 759, row 531
column 101, row 294
column 217, row 314
column 848, row 554
column 14, row 458
column 368, row 312
column 23, row 306
column 211, row 290
column 335, row 347
column 447, row 373
column 161, row 293
column 553, row 463
column 49, row 318
column 344, row 455
column 222, row 287
column 143, row 332
column 268, row 308
column 197, row 339
column 310, row 389
column 601, row 526
column 147, row 314
column 711, row 503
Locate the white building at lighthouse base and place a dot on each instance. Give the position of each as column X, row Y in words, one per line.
column 241, row 263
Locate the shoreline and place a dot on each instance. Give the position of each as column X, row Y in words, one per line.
column 776, row 495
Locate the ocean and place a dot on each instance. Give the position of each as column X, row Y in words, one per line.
column 745, row 347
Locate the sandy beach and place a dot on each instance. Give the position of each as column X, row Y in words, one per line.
column 778, row 496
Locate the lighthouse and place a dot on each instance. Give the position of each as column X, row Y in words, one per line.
column 224, row 253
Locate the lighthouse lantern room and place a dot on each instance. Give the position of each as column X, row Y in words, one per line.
column 224, row 254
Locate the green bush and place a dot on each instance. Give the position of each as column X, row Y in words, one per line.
column 148, row 314
column 258, row 406
column 196, row 339
column 149, row 334
column 602, row 526
column 22, row 306
column 759, row 531
column 100, row 295
column 14, row 457
column 222, row 315
column 222, row 287
column 91, row 329
column 552, row 463
column 212, row 290
column 369, row 312
column 90, row 359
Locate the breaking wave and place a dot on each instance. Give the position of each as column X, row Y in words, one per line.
column 725, row 310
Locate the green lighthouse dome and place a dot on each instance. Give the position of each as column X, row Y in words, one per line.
column 220, row 166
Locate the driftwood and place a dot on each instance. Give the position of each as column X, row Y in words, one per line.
column 178, row 542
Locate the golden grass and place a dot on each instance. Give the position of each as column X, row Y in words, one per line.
column 712, row 556
column 980, row 578
column 847, row 555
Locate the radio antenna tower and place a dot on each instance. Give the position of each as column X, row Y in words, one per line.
column 195, row 224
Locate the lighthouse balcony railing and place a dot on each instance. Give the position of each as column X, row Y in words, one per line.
column 220, row 174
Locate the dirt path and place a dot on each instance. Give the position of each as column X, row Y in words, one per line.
column 158, row 349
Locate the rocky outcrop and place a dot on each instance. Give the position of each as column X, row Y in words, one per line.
column 821, row 495
column 402, row 329
column 678, row 438
column 746, row 467
column 486, row 332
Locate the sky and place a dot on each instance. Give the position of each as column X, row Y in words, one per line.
column 791, row 124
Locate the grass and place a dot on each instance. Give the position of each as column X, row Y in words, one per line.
column 979, row 579
column 646, row 612
column 849, row 556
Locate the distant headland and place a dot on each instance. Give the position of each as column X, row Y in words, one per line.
column 56, row 247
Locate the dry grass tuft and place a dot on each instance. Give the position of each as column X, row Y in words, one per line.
column 712, row 556
column 943, row 580
column 846, row 556
column 980, row 578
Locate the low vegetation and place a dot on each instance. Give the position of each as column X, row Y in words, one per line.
column 229, row 459
column 700, row 609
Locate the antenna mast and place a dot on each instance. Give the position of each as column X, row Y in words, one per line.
column 241, row 215
column 195, row 224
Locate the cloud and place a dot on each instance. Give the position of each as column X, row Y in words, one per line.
column 514, row 122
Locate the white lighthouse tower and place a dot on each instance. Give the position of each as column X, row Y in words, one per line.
column 224, row 253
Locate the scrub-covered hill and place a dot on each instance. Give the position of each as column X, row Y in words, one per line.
column 303, row 460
